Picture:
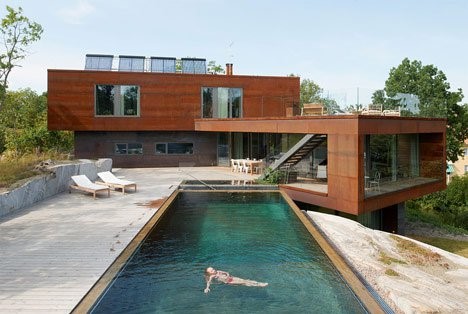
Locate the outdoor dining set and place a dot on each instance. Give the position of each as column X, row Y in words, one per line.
column 247, row 165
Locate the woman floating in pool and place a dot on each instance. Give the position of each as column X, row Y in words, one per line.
column 225, row 277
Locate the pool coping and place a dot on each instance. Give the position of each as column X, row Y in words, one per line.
column 367, row 300
column 93, row 294
column 349, row 275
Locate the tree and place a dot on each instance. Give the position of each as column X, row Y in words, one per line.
column 378, row 97
column 215, row 68
column 23, row 125
column 310, row 92
column 18, row 33
column 435, row 99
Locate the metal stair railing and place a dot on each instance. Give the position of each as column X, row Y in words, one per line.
column 297, row 152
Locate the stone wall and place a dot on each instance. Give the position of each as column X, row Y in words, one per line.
column 45, row 186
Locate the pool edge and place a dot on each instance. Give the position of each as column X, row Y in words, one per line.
column 340, row 263
column 98, row 288
column 356, row 284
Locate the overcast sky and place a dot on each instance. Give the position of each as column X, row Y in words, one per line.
column 344, row 46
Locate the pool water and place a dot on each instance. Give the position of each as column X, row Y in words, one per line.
column 251, row 235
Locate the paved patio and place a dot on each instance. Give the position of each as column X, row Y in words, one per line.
column 53, row 252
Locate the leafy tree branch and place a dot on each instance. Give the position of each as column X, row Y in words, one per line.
column 18, row 33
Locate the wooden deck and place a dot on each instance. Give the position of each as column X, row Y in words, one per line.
column 52, row 253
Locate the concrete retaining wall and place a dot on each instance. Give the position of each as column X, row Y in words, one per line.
column 48, row 185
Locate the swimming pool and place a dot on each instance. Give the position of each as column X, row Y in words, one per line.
column 249, row 234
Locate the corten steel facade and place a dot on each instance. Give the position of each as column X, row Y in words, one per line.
column 168, row 101
column 170, row 113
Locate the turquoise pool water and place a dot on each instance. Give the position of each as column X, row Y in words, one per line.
column 251, row 235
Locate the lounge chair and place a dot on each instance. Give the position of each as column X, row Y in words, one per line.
column 82, row 183
column 112, row 181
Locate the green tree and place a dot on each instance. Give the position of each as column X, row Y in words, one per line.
column 331, row 105
column 18, row 32
column 215, row 68
column 436, row 100
column 23, row 125
column 310, row 92
column 447, row 207
column 378, row 97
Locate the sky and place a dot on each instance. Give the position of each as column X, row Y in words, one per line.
column 347, row 47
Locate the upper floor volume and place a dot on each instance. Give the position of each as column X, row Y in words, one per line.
column 124, row 63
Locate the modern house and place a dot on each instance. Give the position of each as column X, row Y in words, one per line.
column 156, row 112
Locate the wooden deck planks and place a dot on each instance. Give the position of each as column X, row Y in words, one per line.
column 52, row 253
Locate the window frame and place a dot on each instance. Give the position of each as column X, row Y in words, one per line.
column 127, row 149
column 160, row 143
column 118, row 102
column 230, row 102
column 167, row 146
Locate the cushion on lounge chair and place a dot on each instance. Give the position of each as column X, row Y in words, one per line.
column 82, row 183
column 112, row 181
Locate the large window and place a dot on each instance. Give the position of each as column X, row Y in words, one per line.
column 117, row 100
column 129, row 149
column 221, row 102
column 174, row 148
column 392, row 162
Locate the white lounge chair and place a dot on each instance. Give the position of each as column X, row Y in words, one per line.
column 112, row 181
column 82, row 183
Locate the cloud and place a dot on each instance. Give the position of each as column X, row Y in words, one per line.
column 77, row 13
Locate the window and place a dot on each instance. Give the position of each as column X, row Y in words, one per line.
column 161, row 148
column 117, row 100
column 221, row 102
column 129, row 149
column 174, row 148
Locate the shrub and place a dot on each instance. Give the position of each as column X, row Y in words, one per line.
column 443, row 208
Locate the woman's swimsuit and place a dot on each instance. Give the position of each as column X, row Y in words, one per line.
column 224, row 276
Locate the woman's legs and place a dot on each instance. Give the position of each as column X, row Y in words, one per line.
column 247, row 282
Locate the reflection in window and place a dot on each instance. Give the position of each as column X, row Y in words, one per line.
column 129, row 149
column 392, row 162
column 393, row 156
column 161, row 148
column 174, row 148
column 221, row 102
column 117, row 100
column 180, row 148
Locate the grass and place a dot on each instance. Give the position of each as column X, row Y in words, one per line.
column 384, row 258
column 415, row 253
column 454, row 246
column 14, row 170
column 391, row 272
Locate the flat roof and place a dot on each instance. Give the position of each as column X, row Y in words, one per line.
column 333, row 124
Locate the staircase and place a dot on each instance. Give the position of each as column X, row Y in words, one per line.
column 307, row 144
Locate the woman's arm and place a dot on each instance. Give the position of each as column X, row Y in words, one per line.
column 208, row 282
